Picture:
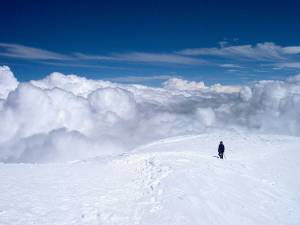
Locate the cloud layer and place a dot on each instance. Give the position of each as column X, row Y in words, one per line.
column 224, row 56
column 68, row 117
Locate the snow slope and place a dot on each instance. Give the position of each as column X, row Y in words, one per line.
column 174, row 181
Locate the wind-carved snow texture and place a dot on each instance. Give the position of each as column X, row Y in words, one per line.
column 68, row 117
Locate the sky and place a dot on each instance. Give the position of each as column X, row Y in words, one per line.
column 228, row 42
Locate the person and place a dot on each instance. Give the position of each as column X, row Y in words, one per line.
column 221, row 149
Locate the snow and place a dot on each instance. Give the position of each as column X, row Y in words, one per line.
column 174, row 181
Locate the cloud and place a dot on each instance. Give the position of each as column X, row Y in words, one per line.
column 295, row 65
column 67, row 117
column 294, row 79
column 30, row 53
column 25, row 52
column 230, row 89
column 291, row 50
column 160, row 58
column 260, row 51
column 229, row 57
column 144, row 57
column 180, row 84
column 7, row 81
column 138, row 79
column 230, row 65
column 81, row 65
column 176, row 84
column 77, row 85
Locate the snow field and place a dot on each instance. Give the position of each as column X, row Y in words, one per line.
column 175, row 181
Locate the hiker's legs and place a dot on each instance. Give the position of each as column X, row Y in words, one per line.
column 221, row 155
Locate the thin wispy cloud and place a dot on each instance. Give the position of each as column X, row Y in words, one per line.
column 80, row 65
column 291, row 50
column 144, row 57
column 25, row 52
column 227, row 57
column 230, row 65
column 158, row 58
column 83, row 56
column 294, row 65
column 232, row 70
column 262, row 51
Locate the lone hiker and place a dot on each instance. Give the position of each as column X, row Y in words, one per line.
column 221, row 149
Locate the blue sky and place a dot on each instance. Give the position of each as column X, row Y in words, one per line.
column 149, row 41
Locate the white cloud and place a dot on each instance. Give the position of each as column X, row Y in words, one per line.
column 137, row 79
column 179, row 84
column 81, row 65
column 25, row 52
column 7, row 81
column 185, row 85
column 295, row 65
column 260, row 51
column 165, row 58
column 291, row 50
column 232, row 57
column 206, row 116
column 103, row 103
column 231, row 65
column 144, row 57
column 225, row 88
column 66, row 117
column 294, row 79
column 75, row 84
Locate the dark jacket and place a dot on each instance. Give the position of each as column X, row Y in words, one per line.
column 221, row 148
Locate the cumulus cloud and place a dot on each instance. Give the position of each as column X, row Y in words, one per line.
column 68, row 117
column 185, row 85
column 7, row 81
column 103, row 101
column 294, row 79
column 180, row 84
column 137, row 79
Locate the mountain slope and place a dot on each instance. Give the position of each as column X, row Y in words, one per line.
column 175, row 181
